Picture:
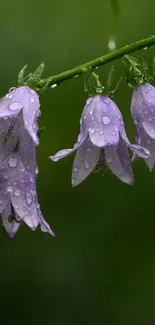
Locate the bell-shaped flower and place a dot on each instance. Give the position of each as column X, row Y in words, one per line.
column 18, row 196
column 143, row 113
column 19, row 112
column 101, row 128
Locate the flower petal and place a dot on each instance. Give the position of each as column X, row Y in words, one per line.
column 13, row 226
column 27, row 153
column 143, row 108
column 103, row 119
column 118, row 160
column 19, row 184
column 145, row 140
column 66, row 152
column 26, row 100
column 85, row 160
column 139, row 150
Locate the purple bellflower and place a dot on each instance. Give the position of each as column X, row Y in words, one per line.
column 18, row 197
column 143, row 113
column 19, row 112
column 102, row 136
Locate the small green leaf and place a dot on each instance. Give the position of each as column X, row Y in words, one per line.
column 21, row 75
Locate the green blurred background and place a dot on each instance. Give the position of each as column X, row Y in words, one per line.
column 100, row 267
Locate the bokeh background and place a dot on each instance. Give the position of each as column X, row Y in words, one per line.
column 100, row 267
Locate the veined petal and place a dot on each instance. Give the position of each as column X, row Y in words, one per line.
column 10, row 226
column 19, row 185
column 138, row 149
column 103, row 120
column 85, row 160
column 143, row 108
column 66, row 152
column 27, row 153
column 145, row 140
column 118, row 160
column 25, row 100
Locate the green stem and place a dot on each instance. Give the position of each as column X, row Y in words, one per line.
column 57, row 79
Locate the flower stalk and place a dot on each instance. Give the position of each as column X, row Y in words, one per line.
column 84, row 68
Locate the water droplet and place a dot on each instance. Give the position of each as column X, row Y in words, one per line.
column 145, row 48
column 87, row 165
column 150, row 119
column 112, row 44
column 149, row 101
column 109, row 159
column 85, row 117
column 106, row 119
column 6, row 118
column 6, row 176
column 113, row 132
column 11, row 89
column 32, row 100
column 15, row 106
column 12, row 162
column 89, row 100
column 54, row 86
column 79, row 138
column 101, row 132
column 146, row 90
column 10, row 96
column 75, row 169
column 9, row 189
column 92, row 131
column 29, row 198
column 17, row 192
column 76, row 76
column 91, row 111
column 37, row 170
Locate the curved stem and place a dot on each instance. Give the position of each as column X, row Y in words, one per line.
column 57, row 79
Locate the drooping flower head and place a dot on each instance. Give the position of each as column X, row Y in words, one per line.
column 19, row 112
column 102, row 133
column 18, row 197
column 143, row 113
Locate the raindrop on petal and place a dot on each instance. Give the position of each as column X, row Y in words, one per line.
column 29, row 198
column 12, row 162
column 87, row 165
column 17, row 192
column 106, row 119
column 37, row 170
column 15, row 106
column 9, row 189
column 89, row 100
